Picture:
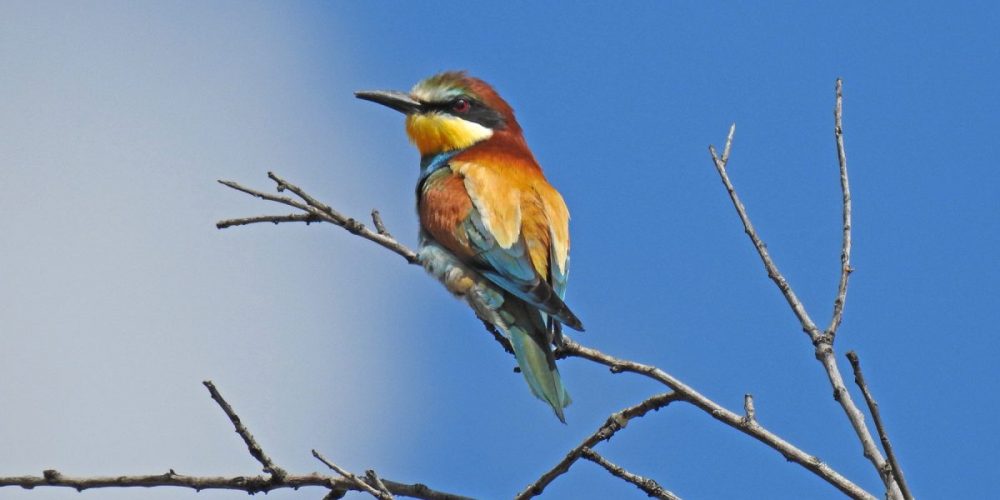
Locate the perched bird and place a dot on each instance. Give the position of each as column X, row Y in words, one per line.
column 492, row 229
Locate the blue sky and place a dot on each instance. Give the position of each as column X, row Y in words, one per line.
column 118, row 295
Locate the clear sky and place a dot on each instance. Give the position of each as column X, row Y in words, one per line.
column 118, row 295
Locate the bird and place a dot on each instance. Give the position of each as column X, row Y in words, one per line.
column 492, row 228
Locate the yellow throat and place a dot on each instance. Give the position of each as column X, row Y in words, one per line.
column 436, row 132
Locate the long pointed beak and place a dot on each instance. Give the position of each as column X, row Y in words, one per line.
column 400, row 101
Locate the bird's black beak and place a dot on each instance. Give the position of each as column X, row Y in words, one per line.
column 399, row 101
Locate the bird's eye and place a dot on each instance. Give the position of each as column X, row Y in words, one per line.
column 461, row 106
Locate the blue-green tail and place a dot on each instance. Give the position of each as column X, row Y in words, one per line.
column 532, row 342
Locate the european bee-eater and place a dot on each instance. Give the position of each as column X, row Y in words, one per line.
column 492, row 229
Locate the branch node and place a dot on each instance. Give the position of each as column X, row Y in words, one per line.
column 373, row 478
column 277, row 473
column 749, row 412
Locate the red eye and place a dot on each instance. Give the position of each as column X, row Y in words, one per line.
column 460, row 106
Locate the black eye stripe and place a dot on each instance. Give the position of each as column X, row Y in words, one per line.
column 477, row 113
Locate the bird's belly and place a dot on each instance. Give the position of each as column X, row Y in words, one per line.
column 459, row 279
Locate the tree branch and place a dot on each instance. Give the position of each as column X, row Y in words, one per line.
column 616, row 422
column 750, row 427
column 822, row 341
column 277, row 477
column 648, row 486
column 319, row 212
column 772, row 270
column 896, row 470
column 247, row 484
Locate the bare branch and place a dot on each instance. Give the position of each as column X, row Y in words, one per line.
column 248, row 484
column 323, row 213
column 255, row 449
column 648, row 486
column 384, row 495
column 277, row 477
column 896, row 470
column 822, row 341
column 749, row 427
column 616, row 422
column 845, row 188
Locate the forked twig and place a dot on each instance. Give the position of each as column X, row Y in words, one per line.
column 822, row 341
column 616, row 422
column 317, row 212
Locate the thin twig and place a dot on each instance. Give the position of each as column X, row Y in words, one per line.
column 616, row 422
column 751, row 428
column 648, row 486
column 352, row 478
column 845, row 188
column 247, row 484
column 897, row 471
column 379, row 225
column 284, row 200
column 772, row 270
column 729, row 144
column 255, row 449
column 274, row 219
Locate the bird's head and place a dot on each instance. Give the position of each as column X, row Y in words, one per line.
column 449, row 111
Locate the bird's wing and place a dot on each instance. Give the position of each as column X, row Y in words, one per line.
column 512, row 240
column 558, row 225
